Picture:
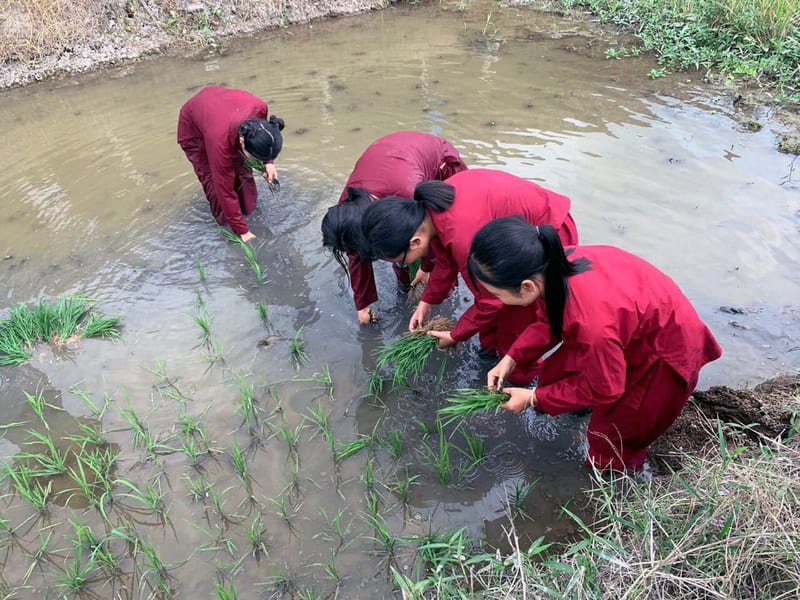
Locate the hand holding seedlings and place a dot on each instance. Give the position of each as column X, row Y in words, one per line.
column 496, row 377
column 445, row 339
column 420, row 316
column 367, row 316
column 521, row 399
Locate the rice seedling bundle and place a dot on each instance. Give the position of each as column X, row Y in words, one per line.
column 51, row 322
column 466, row 401
column 409, row 353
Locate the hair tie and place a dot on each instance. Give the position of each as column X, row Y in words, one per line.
column 268, row 132
column 537, row 230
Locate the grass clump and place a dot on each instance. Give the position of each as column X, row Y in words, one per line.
column 250, row 253
column 466, row 401
column 407, row 354
column 755, row 38
column 54, row 323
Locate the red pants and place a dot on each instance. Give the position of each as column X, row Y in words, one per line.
column 244, row 185
column 619, row 436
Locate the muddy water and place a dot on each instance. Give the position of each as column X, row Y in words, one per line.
column 99, row 200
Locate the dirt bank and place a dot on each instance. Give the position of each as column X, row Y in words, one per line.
column 40, row 39
column 771, row 410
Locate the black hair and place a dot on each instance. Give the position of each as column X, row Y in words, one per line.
column 341, row 227
column 509, row 250
column 389, row 225
column 262, row 139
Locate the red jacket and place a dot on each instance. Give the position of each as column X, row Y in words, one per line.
column 392, row 166
column 621, row 317
column 214, row 115
column 482, row 195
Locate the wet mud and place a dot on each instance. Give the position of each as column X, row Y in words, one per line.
column 745, row 416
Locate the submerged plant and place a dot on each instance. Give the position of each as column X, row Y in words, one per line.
column 465, row 401
column 297, row 350
column 250, row 253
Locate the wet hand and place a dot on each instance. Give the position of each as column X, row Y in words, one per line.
column 420, row 316
column 445, row 339
column 270, row 172
column 421, row 277
column 247, row 236
column 521, row 399
column 501, row 370
column 367, row 316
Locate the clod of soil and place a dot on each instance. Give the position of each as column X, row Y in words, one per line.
column 789, row 142
column 766, row 410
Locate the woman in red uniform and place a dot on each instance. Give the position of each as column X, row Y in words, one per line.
column 390, row 166
column 444, row 217
column 632, row 345
column 217, row 129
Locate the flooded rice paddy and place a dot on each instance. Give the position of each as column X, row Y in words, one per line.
column 99, row 200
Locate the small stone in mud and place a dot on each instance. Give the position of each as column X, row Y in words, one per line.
column 267, row 341
column 753, row 126
column 491, row 124
column 789, row 143
column 300, row 131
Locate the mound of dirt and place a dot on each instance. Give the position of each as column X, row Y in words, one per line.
column 746, row 415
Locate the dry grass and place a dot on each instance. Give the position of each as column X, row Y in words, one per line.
column 31, row 29
column 727, row 527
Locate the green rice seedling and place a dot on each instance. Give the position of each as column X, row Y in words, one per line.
column 255, row 165
column 263, row 313
column 375, row 386
column 199, row 301
column 142, row 438
column 402, row 487
column 98, row 326
column 250, row 254
column 368, row 478
column 337, row 531
column 319, row 417
column 27, row 485
column 153, row 570
column 101, row 461
column 204, row 321
column 438, row 549
column 198, row 488
column 22, row 322
column 239, row 461
column 386, row 544
column 440, row 461
column 225, row 594
column 201, row 270
column 216, row 502
column 51, row 464
column 330, row 568
column 41, row 554
column 12, row 349
column 475, row 452
column 190, row 448
column 308, row 594
column 350, row 447
column 409, row 353
column 256, row 533
column 91, row 434
column 466, row 401
column 520, row 494
column 76, row 577
column 286, row 510
column 297, row 350
column 283, row 582
column 393, row 442
column 96, row 490
column 248, row 408
column 69, row 313
column 38, row 405
column 85, row 541
column 90, row 404
column 427, row 428
column 152, row 497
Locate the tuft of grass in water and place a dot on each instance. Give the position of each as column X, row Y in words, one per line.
column 153, row 570
column 393, row 442
column 475, row 452
column 409, row 353
column 256, row 534
column 297, row 350
column 224, row 593
column 198, row 488
column 152, row 497
column 386, row 544
column 12, row 348
column 250, row 253
column 350, row 447
column 239, row 461
column 439, row 460
column 51, row 464
column 204, row 321
column 402, row 487
column 520, row 494
column 76, row 576
column 201, row 270
column 28, row 485
column 38, row 405
column 466, row 401
column 263, row 314
column 98, row 326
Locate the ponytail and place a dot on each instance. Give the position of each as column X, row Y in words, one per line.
column 389, row 225
column 509, row 250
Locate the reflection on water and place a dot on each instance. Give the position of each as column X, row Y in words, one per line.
column 99, row 199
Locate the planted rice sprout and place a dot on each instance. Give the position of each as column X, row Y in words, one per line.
column 29, row 486
column 53, row 463
column 201, row 270
column 250, row 253
column 256, row 533
column 408, row 354
column 520, row 494
column 439, row 461
column 466, row 401
column 297, row 350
